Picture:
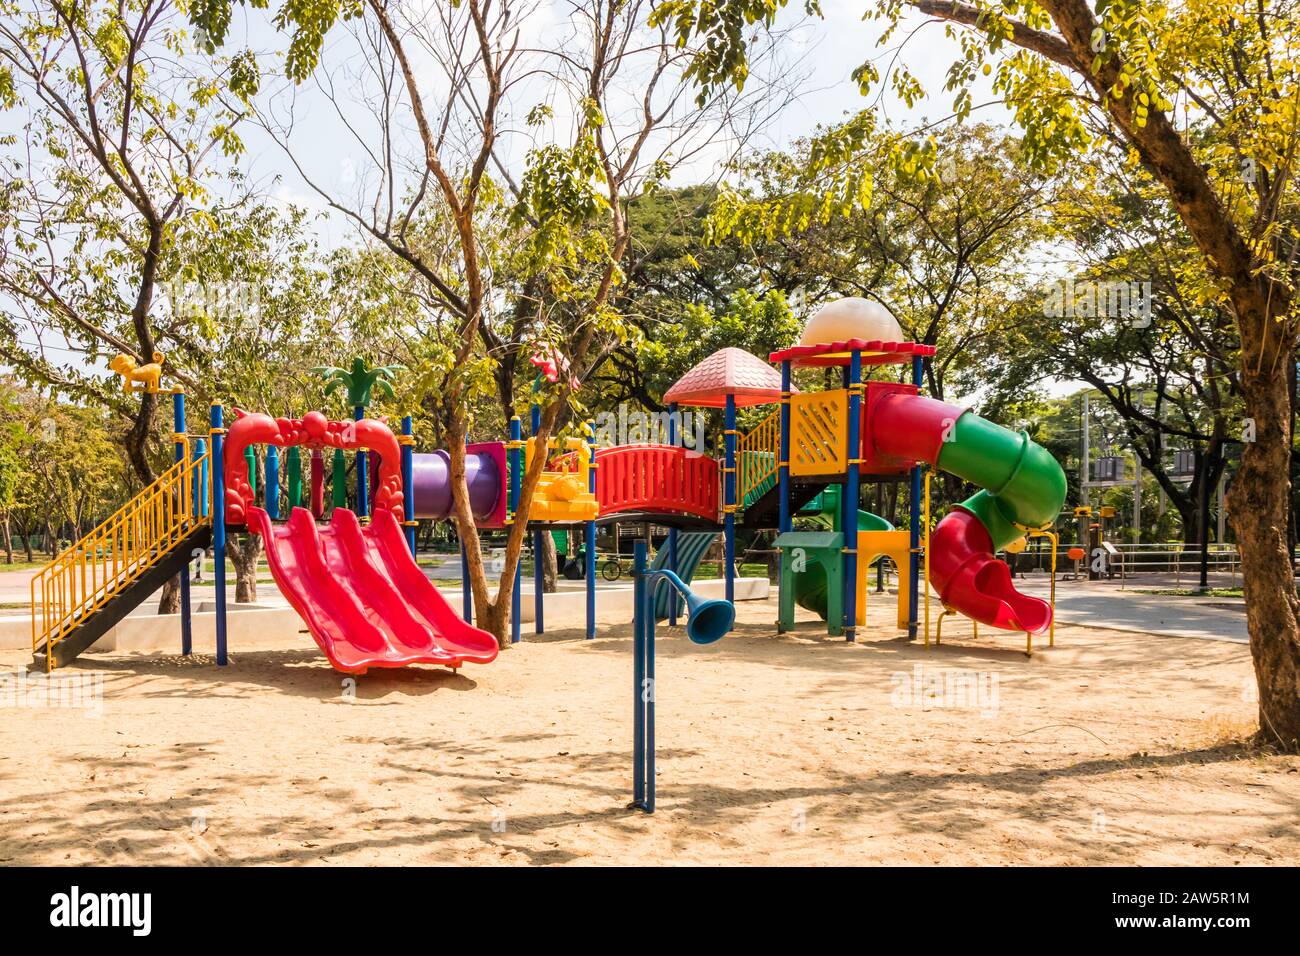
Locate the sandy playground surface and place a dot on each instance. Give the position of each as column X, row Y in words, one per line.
column 1111, row 748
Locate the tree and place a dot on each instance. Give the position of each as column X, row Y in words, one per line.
column 448, row 206
column 760, row 326
column 59, row 462
column 1072, row 78
column 108, row 168
column 944, row 253
column 12, row 441
column 1133, row 322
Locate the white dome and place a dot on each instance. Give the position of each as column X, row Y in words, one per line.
column 851, row 318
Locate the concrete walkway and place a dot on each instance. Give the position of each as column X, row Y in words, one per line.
column 1105, row 604
column 1085, row 603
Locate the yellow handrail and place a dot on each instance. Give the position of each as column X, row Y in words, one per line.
column 756, row 454
column 137, row 536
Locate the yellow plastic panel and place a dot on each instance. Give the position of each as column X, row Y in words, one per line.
column 819, row 428
column 895, row 545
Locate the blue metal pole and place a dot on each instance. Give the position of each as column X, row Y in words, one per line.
column 539, row 576
column 363, row 486
column 218, row 482
column 638, row 674
column 466, row 592
column 590, row 556
column 673, row 415
column 516, row 477
column 199, row 488
column 408, row 482
column 851, row 492
column 648, row 691
column 187, row 497
column 272, row 482
column 914, row 524
column 729, row 488
column 784, row 522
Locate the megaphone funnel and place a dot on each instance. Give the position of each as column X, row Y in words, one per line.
column 709, row 619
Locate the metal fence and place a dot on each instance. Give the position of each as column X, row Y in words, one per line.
column 1125, row 560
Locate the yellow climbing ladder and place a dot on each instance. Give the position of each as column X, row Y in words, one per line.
column 756, row 457
column 70, row 590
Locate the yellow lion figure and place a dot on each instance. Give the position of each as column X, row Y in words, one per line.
column 147, row 376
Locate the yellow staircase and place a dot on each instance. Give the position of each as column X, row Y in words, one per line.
column 756, row 457
column 93, row 584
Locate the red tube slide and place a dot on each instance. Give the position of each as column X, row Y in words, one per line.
column 1024, row 487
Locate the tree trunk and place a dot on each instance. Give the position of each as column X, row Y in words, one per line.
column 1291, row 373
column 549, row 568
column 1258, row 500
column 8, row 540
column 493, row 614
column 244, row 551
column 1189, row 514
column 1257, row 508
column 169, row 602
column 25, row 532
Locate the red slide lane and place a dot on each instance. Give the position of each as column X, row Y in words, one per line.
column 971, row 580
column 363, row 597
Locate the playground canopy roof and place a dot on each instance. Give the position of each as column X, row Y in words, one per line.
column 728, row 371
column 873, row 352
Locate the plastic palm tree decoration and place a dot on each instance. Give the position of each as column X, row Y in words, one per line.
column 360, row 380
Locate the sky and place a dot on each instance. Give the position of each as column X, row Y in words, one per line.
column 819, row 58
column 333, row 137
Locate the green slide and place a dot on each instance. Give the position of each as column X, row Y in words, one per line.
column 810, row 587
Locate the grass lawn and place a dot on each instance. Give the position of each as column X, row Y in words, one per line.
column 1192, row 592
column 24, row 565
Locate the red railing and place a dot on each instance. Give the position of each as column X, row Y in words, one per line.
column 656, row 478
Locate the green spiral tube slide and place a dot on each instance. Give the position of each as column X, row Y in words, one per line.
column 1023, row 488
column 1023, row 484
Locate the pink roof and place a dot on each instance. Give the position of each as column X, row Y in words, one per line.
column 729, row 371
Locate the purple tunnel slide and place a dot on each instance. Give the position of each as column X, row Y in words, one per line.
column 485, row 474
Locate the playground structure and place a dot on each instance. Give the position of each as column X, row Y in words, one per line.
column 367, row 603
column 812, row 454
column 354, row 579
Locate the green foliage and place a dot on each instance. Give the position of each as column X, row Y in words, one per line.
column 719, row 26
column 307, row 22
column 757, row 325
column 98, row 198
column 59, row 463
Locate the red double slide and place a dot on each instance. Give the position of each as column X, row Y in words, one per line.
column 365, row 600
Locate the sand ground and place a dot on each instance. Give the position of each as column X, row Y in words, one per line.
column 1111, row 748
